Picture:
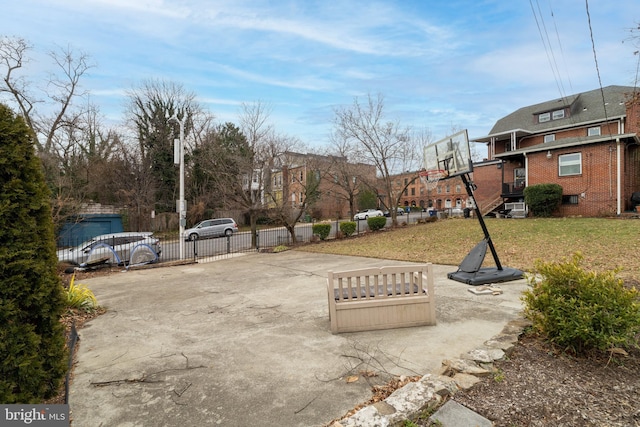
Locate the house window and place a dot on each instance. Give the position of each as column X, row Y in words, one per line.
column 458, row 188
column 558, row 114
column 549, row 138
column 448, row 188
column 570, row 200
column 544, row 117
column 413, row 191
column 570, row 164
column 594, row 131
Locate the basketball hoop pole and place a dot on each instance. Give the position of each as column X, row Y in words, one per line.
column 469, row 187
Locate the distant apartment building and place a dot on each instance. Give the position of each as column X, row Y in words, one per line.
column 447, row 194
column 333, row 179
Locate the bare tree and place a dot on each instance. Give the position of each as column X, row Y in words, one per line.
column 386, row 144
column 65, row 131
column 351, row 175
column 58, row 94
column 264, row 146
column 302, row 176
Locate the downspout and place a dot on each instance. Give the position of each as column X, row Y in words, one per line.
column 618, row 177
column 619, row 170
column 526, row 180
column 526, row 170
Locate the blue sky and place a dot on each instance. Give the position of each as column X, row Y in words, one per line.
column 439, row 64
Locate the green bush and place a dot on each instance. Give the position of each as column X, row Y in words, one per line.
column 543, row 199
column 376, row 223
column 32, row 345
column 580, row 310
column 348, row 228
column 321, row 230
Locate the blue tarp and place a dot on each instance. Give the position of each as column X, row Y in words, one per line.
column 84, row 227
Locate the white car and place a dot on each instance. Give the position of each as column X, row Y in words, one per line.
column 367, row 213
column 117, row 247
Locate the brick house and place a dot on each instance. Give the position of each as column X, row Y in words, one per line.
column 449, row 194
column 587, row 143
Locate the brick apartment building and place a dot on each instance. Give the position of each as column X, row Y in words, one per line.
column 587, row 143
column 449, row 194
column 289, row 182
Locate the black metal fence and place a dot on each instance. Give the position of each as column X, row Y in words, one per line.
column 173, row 249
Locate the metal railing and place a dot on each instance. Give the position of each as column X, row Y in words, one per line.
column 241, row 242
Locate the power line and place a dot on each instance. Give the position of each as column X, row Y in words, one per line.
column 547, row 47
column 595, row 59
column 564, row 59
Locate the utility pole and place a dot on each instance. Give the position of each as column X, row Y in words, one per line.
column 181, row 207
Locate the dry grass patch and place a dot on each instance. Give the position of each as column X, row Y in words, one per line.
column 605, row 243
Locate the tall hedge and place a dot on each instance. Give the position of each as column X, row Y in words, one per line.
column 32, row 343
column 543, row 199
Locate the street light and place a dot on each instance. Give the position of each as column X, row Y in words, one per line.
column 181, row 208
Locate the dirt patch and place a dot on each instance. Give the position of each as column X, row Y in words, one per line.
column 540, row 386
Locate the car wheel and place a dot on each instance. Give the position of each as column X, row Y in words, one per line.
column 193, row 236
column 366, row 217
column 228, row 233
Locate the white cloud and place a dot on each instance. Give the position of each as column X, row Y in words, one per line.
column 439, row 64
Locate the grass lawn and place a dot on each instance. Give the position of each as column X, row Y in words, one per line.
column 605, row 243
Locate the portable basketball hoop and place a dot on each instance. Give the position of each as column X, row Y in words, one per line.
column 448, row 158
column 431, row 178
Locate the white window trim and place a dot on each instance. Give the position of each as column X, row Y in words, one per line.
column 550, row 137
column 557, row 115
column 544, row 117
column 594, row 131
column 569, row 163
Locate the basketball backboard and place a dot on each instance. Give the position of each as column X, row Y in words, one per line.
column 452, row 155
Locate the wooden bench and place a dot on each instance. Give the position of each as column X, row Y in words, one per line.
column 381, row 298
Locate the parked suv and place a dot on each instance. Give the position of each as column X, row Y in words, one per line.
column 212, row 228
column 104, row 246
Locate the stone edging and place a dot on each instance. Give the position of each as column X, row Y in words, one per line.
column 428, row 392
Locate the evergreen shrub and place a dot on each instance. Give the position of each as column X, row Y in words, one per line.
column 32, row 343
column 376, row 223
column 580, row 310
column 321, row 230
column 348, row 228
column 543, row 199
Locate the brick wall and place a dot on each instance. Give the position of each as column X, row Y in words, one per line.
column 488, row 179
column 595, row 187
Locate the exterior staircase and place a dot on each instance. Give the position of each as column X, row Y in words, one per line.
column 495, row 203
